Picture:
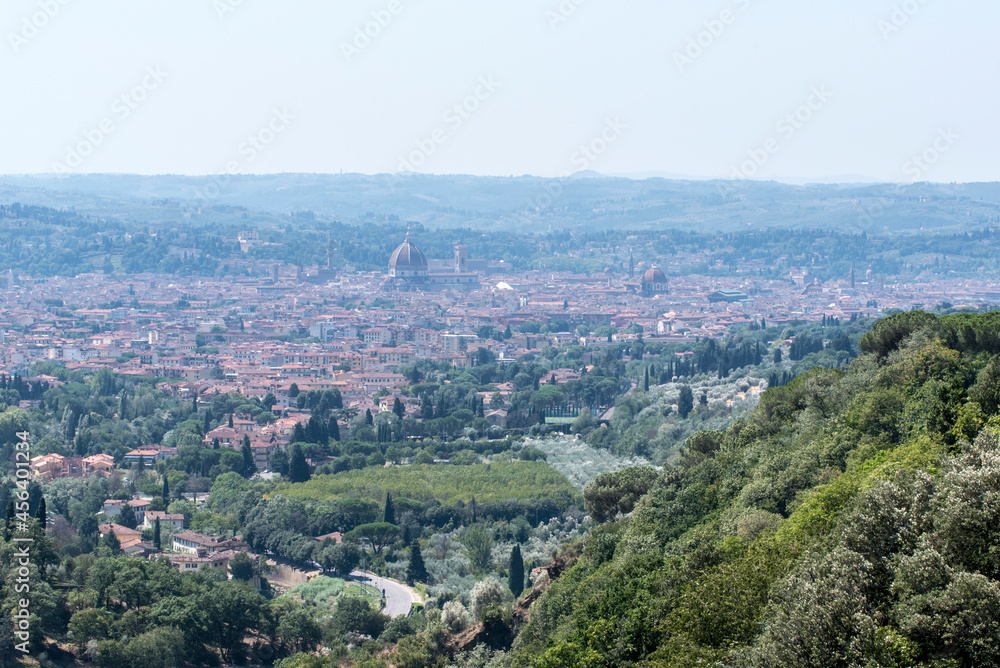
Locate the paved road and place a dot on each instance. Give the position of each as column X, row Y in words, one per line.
column 399, row 597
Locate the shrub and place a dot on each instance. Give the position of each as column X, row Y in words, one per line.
column 455, row 617
column 486, row 593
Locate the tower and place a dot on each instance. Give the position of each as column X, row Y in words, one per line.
column 852, row 277
column 461, row 258
column 631, row 264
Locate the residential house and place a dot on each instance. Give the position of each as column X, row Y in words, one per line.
column 101, row 464
column 173, row 520
column 148, row 455
column 46, row 467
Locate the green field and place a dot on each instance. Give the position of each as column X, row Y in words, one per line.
column 494, row 483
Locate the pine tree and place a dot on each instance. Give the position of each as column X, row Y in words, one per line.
column 390, row 513
column 156, row 533
column 416, row 571
column 249, row 466
column 516, row 571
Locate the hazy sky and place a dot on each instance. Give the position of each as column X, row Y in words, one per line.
column 724, row 88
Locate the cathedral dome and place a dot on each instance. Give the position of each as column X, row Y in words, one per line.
column 654, row 276
column 407, row 261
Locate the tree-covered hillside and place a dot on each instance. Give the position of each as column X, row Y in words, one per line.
column 852, row 520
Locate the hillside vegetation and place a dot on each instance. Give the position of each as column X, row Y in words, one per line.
column 853, row 519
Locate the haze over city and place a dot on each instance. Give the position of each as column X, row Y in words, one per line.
column 372, row 87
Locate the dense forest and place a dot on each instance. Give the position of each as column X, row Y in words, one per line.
column 851, row 520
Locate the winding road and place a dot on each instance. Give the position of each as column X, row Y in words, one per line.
column 399, row 598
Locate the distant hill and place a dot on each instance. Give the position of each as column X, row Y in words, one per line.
column 586, row 201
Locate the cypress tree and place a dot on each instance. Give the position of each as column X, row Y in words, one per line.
column 416, row 571
column 126, row 518
column 516, row 571
column 390, row 513
column 333, row 429
column 41, row 513
column 249, row 467
column 111, row 542
column 166, row 490
column 368, row 417
column 156, row 533
column 215, row 444
column 397, row 408
column 472, row 506
column 230, row 420
column 645, row 382
column 298, row 469
column 686, row 401
column 208, row 421
column 9, row 526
